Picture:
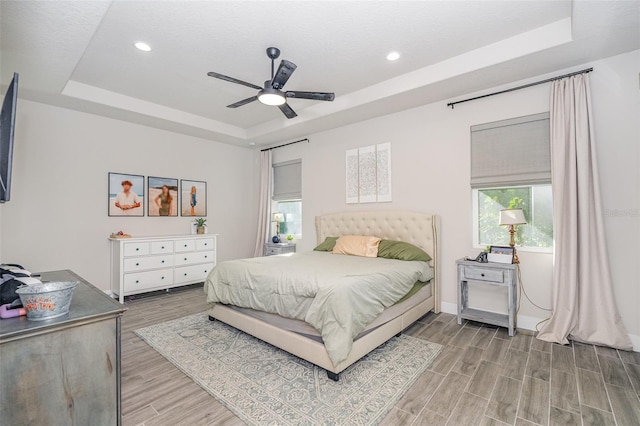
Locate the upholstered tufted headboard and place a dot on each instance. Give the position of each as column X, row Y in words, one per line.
column 420, row 229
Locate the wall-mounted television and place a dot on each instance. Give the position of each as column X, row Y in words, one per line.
column 7, row 130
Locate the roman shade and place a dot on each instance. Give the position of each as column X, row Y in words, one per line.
column 511, row 152
column 287, row 180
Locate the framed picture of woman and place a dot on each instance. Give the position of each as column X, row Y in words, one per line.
column 193, row 198
column 163, row 196
column 126, row 195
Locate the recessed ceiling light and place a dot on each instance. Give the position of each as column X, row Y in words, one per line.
column 142, row 46
column 252, row 144
column 393, row 56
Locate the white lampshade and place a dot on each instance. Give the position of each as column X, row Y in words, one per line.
column 512, row 217
column 277, row 217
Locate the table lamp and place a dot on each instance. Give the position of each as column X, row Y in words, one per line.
column 277, row 218
column 512, row 217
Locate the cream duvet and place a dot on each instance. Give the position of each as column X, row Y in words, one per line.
column 339, row 295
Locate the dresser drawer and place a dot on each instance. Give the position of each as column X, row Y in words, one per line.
column 161, row 247
column 134, row 264
column 185, row 245
column 136, row 249
column 482, row 274
column 145, row 280
column 194, row 257
column 194, row 273
column 205, row 244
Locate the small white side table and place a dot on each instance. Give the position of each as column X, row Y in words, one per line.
column 500, row 274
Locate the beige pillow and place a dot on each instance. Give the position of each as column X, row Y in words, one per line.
column 357, row 245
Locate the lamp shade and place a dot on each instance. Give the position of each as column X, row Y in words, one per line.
column 277, row 217
column 512, row 217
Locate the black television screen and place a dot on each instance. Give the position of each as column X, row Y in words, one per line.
column 7, row 130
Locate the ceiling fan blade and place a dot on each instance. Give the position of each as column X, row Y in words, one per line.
column 243, row 102
column 286, row 110
column 285, row 70
column 233, row 80
column 316, row 96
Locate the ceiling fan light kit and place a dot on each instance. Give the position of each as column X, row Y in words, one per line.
column 271, row 94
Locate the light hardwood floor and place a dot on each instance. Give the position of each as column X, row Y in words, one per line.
column 482, row 377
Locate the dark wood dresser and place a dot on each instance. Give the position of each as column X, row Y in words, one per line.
column 66, row 370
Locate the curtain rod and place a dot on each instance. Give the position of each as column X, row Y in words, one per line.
column 284, row 144
column 451, row 104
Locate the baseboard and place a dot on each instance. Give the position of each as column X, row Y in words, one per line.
column 635, row 340
column 529, row 323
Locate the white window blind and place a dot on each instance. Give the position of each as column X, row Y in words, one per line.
column 511, row 152
column 287, row 180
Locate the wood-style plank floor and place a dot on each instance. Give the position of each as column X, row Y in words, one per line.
column 482, row 377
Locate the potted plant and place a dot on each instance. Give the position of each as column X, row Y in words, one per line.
column 289, row 238
column 200, row 223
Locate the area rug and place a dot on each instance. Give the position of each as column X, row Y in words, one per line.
column 264, row 385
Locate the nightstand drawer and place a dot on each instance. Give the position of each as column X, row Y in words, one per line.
column 482, row 274
column 271, row 251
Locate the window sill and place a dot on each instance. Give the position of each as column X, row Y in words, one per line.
column 520, row 249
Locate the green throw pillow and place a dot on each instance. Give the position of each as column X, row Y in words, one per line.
column 401, row 251
column 327, row 244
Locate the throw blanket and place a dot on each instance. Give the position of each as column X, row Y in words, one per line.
column 336, row 294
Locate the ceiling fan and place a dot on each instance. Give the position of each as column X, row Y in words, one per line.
column 271, row 93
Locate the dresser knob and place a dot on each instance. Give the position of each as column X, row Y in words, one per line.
column 482, row 275
column 162, row 247
column 137, row 249
column 185, row 275
column 206, row 257
column 137, row 281
column 205, row 244
column 162, row 261
column 185, row 245
column 185, row 258
column 162, row 278
column 137, row 264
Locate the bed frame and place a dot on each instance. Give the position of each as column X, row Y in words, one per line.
column 419, row 229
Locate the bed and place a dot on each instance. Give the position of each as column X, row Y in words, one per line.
column 303, row 340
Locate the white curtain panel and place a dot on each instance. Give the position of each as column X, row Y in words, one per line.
column 264, row 213
column 584, row 308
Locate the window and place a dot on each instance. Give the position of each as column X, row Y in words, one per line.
column 292, row 211
column 535, row 200
column 287, row 196
column 511, row 168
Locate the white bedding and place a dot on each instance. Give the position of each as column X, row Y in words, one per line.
column 338, row 295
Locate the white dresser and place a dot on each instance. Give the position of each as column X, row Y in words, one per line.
column 146, row 264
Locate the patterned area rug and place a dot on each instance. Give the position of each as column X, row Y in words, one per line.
column 264, row 385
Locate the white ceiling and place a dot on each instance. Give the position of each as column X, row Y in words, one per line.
column 80, row 55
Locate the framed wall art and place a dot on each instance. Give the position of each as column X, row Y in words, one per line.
column 368, row 173
column 193, row 198
column 126, row 195
column 162, row 196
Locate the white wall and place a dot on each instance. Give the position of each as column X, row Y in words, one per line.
column 57, row 217
column 430, row 172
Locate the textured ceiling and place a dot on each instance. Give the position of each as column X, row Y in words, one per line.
column 80, row 55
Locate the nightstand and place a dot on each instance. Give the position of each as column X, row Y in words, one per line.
column 272, row 249
column 499, row 274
